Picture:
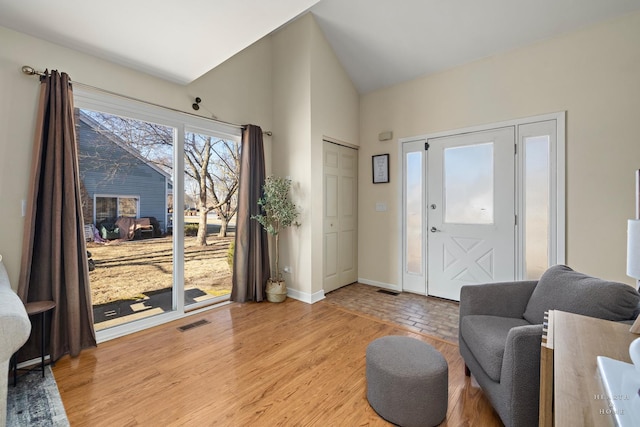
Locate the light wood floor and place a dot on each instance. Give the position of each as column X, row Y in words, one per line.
column 252, row 365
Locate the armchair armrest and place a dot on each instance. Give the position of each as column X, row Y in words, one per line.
column 15, row 326
column 521, row 371
column 505, row 299
column 522, row 352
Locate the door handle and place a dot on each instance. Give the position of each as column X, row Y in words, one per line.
column 433, row 229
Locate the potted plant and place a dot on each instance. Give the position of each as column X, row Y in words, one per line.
column 278, row 213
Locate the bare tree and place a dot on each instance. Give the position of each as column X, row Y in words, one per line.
column 211, row 164
column 223, row 181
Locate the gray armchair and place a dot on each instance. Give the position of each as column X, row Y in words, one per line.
column 501, row 331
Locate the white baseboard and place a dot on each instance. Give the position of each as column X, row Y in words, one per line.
column 319, row 296
column 305, row 296
column 379, row 284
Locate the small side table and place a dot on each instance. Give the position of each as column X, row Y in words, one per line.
column 34, row 308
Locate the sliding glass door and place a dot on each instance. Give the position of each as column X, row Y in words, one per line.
column 159, row 199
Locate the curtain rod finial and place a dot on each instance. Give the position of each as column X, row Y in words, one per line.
column 28, row 70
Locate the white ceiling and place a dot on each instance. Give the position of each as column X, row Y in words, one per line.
column 384, row 42
column 175, row 40
column 379, row 42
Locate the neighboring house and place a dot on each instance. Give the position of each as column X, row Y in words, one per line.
column 116, row 180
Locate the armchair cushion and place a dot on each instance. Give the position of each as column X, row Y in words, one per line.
column 486, row 337
column 561, row 288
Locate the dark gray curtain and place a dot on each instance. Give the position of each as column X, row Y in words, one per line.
column 251, row 258
column 54, row 264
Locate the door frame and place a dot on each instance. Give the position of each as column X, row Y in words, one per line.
column 557, row 196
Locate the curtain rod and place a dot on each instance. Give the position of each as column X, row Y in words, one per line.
column 30, row 71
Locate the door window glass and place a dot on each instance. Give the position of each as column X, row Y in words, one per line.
column 468, row 184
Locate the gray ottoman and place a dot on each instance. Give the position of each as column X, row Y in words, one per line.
column 407, row 381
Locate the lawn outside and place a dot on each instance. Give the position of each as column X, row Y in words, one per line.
column 126, row 270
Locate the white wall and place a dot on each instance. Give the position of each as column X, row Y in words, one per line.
column 247, row 75
column 592, row 74
column 291, row 146
column 239, row 90
column 313, row 97
column 335, row 105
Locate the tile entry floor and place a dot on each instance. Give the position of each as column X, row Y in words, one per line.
column 432, row 316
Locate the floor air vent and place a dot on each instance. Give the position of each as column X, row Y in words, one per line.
column 385, row 291
column 193, row 325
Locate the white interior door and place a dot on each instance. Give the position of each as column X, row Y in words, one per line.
column 471, row 210
column 340, row 216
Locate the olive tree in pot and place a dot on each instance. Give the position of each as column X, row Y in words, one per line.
column 278, row 213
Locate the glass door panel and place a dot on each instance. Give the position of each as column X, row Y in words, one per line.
column 414, row 213
column 536, row 200
column 125, row 171
column 414, row 207
column 211, row 175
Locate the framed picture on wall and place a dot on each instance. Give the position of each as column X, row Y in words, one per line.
column 380, row 168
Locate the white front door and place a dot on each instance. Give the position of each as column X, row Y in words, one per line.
column 340, row 216
column 470, row 210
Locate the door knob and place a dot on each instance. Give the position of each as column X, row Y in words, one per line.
column 433, row 229
column 433, row 206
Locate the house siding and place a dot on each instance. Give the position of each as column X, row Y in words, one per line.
column 108, row 169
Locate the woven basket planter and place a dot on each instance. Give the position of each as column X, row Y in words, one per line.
column 276, row 291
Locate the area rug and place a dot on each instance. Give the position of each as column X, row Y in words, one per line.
column 35, row 401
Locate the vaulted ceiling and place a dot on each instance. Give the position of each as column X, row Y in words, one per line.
column 379, row 42
column 175, row 40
